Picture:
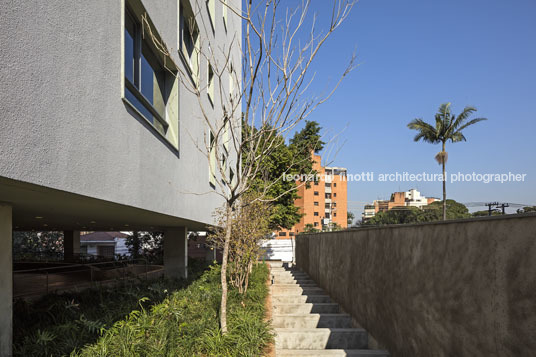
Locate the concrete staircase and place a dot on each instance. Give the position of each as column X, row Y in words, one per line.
column 308, row 323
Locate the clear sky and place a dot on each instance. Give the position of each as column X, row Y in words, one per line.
column 415, row 55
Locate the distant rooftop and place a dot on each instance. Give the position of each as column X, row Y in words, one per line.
column 101, row 236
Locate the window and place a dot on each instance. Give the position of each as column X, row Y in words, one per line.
column 316, row 193
column 328, row 215
column 315, row 224
column 225, row 138
column 335, row 194
column 211, row 7
column 316, row 203
column 224, row 13
column 212, row 161
column 316, row 183
column 328, row 184
column 145, row 75
column 189, row 41
column 316, row 214
column 328, row 196
column 231, row 78
column 334, row 214
column 291, row 234
column 282, row 234
column 328, row 205
column 334, row 204
column 334, row 184
column 210, row 83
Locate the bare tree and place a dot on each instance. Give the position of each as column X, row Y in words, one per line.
column 262, row 101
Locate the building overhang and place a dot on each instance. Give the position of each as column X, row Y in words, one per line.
column 45, row 209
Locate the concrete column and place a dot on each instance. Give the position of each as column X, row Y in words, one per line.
column 6, row 280
column 210, row 254
column 71, row 244
column 176, row 253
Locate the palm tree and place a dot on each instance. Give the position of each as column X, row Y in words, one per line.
column 447, row 127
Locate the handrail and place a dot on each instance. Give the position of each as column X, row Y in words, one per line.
column 80, row 265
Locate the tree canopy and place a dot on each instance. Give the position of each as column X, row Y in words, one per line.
column 283, row 159
column 430, row 213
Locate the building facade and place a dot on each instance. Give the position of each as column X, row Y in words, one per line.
column 411, row 198
column 97, row 132
column 323, row 203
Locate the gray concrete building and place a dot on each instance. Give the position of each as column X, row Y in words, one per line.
column 96, row 131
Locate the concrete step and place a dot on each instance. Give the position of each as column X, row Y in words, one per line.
column 299, row 299
column 307, row 308
column 312, row 321
column 286, row 271
column 320, row 338
column 331, row 353
column 293, row 289
column 310, row 284
column 290, row 276
column 275, row 263
column 291, row 280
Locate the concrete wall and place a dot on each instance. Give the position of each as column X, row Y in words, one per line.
column 460, row 288
column 64, row 124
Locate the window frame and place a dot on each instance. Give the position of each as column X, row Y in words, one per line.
column 210, row 83
column 211, row 11
column 135, row 88
column 185, row 16
column 224, row 14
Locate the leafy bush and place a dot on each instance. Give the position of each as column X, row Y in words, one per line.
column 57, row 324
column 186, row 323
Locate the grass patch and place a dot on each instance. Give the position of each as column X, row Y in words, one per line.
column 57, row 324
column 186, row 323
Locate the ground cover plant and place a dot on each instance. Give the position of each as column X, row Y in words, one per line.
column 57, row 324
column 186, row 323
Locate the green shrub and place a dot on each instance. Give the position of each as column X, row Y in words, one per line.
column 186, row 323
column 57, row 324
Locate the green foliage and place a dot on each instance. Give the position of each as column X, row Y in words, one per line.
column 33, row 245
column 57, row 324
column 351, row 218
column 309, row 228
column 527, row 209
column 447, row 125
column 494, row 212
column 147, row 245
column 308, row 139
column 430, row 213
column 282, row 160
column 186, row 323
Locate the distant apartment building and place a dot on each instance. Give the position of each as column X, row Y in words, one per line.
column 98, row 133
column 411, row 198
column 323, row 203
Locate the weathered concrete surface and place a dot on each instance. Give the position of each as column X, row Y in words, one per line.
column 459, row 288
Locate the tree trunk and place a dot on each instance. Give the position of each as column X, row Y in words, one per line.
column 444, row 185
column 223, row 305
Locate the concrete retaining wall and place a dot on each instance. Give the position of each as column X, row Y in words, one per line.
column 460, row 288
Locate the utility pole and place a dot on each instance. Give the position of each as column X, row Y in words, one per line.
column 497, row 205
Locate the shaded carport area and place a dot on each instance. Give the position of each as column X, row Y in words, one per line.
column 28, row 207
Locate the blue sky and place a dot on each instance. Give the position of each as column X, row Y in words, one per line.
column 415, row 55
